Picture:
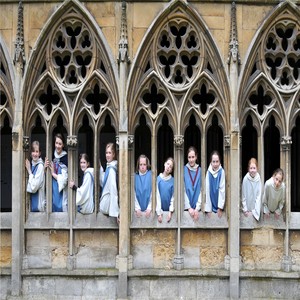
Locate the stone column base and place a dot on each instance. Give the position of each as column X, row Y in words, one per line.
column 286, row 263
column 178, row 262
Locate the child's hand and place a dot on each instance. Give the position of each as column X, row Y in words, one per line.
column 220, row 212
column 71, row 183
column 169, row 217
column 276, row 216
column 196, row 215
column 138, row 213
column 27, row 166
column 191, row 212
column 47, row 162
column 148, row 212
column 159, row 218
column 209, row 214
column 267, row 215
column 247, row 213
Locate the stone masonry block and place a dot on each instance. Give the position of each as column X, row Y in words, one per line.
column 163, row 256
column 142, row 19
column 59, row 238
column 37, row 237
column 142, row 256
column 191, row 257
column 5, row 256
column 212, row 256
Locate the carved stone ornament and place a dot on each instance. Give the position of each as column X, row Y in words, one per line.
column 25, row 143
column 178, row 140
column 227, row 141
column 117, row 140
column 286, row 142
column 130, row 140
column 72, row 141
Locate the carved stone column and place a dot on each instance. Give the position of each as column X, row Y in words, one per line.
column 286, row 141
column 178, row 261
column 72, row 162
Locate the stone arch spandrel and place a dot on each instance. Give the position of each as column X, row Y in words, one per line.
column 7, row 75
column 69, row 49
column 273, row 56
column 178, row 49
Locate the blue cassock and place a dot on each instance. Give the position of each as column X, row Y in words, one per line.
column 57, row 197
column 214, row 183
column 192, row 192
column 34, row 196
column 143, row 188
column 166, row 191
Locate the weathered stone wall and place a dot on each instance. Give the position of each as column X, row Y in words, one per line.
column 262, row 249
column 5, row 248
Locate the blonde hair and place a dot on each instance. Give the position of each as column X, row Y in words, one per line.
column 112, row 147
column 37, row 144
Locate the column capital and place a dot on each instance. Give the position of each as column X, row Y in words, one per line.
column 72, row 141
column 25, row 143
column 178, row 140
column 286, row 142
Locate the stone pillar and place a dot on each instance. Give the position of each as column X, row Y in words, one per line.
column 17, row 212
column 72, row 159
column 123, row 260
column 286, row 141
column 234, row 220
column 178, row 157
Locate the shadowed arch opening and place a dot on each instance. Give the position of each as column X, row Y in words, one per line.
column 142, row 139
column 6, row 166
column 165, row 142
column 249, row 144
column 192, row 137
column 271, row 148
column 214, row 140
column 295, row 167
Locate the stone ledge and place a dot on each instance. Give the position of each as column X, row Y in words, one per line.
column 5, row 220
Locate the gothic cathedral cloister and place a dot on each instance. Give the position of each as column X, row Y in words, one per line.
column 154, row 78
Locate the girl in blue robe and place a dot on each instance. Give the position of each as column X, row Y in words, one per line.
column 192, row 184
column 59, row 171
column 165, row 191
column 36, row 181
column 215, row 186
column 143, row 187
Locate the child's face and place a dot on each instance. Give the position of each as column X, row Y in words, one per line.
column 277, row 180
column 143, row 165
column 83, row 164
column 59, row 145
column 35, row 153
column 192, row 157
column 215, row 162
column 109, row 154
column 168, row 166
column 252, row 170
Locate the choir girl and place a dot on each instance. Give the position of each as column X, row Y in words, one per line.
column 143, row 186
column 85, row 193
column 36, row 181
column 192, row 184
column 59, row 172
column 215, row 186
column 165, row 191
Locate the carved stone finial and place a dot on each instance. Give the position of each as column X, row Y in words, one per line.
column 72, row 141
column 286, row 142
column 233, row 44
column 178, row 140
column 25, row 143
column 19, row 43
column 123, row 43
